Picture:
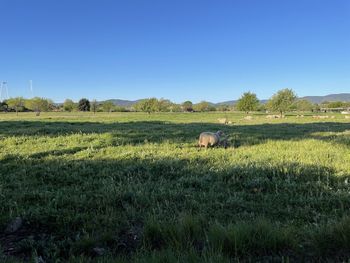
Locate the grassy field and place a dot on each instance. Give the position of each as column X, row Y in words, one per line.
column 133, row 187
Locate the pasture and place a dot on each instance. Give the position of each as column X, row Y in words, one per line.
column 133, row 187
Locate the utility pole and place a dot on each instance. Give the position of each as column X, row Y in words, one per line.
column 3, row 90
column 31, row 88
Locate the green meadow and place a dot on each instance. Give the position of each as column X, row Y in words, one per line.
column 134, row 187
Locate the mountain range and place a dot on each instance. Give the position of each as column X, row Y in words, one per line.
column 314, row 99
column 122, row 103
column 331, row 97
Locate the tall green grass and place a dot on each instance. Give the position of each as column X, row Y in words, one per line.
column 137, row 186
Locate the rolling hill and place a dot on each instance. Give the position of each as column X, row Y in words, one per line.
column 313, row 99
column 330, row 97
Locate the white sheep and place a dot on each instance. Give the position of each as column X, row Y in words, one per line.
column 223, row 120
column 209, row 138
column 274, row 117
column 320, row 116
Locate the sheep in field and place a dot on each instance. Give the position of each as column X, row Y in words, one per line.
column 274, row 116
column 320, row 116
column 210, row 139
column 223, row 120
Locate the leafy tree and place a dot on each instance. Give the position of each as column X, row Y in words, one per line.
column 248, row 102
column 94, row 105
column 15, row 103
column 165, row 105
column 120, row 109
column 52, row 105
column 107, row 106
column 155, row 105
column 282, row 101
column 211, row 108
column 147, row 105
column 316, row 107
column 223, row 107
column 262, row 107
column 303, row 105
column 84, row 105
column 336, row 104
column 175, row 107
column 69, row 105
column 203, row 106
column 3, row 106
column 38, row 105
column 187, row 106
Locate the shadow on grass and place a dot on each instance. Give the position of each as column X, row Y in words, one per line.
column 72, row 206
column 157, row 131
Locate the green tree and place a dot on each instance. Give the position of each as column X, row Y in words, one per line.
column 15, row 103
column 175, row 107
column 203, row 106
column 165, row 105
column 38, row 105
column 316, row 107
column 248, row 102
column 303, row 105
column 107, row 106
column 69, row 105
column 336, row 104
column 84, row 105
column 187, row 106
column 282, row 101
column 147, row 105
column 262, row 107
column 94, row 105
column 120, row 109
column 223, row 107
column 3, row 106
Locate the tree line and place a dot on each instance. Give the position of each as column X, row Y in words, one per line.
column 284, row 100
column 19, row 104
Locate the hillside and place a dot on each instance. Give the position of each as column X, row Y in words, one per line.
column 122, row 103
column 233, row 102
column 330, row 97
column 313, row 99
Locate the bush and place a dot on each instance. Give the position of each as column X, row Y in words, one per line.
column 84, row 105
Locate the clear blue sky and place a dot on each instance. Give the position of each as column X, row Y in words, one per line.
column 180, row 49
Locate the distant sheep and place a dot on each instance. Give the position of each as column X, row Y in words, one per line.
column 223, row 120
column 347, row 117
column 320, row 117
column 274, row 116
column 300, row 116
column 210, row 139
column 248, row 118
